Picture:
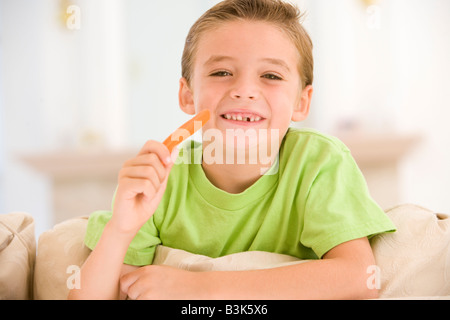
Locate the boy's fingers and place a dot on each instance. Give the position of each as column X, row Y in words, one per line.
column 146, row 174
column 132, row 187
column 143, row 172
column 129, row 283
column 139, row 166
column 143, row 159
column 127, row 280
column 157, row 148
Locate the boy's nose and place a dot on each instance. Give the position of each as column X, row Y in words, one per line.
column 237, row 96
column 244, row 90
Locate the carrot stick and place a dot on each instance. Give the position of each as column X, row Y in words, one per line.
column 187, row 130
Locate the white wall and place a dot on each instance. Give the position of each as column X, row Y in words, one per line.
column 388, row 71
column 109, row 84
column 155, row 35
column 421, row 43
column 22, row 123
column 62, row 89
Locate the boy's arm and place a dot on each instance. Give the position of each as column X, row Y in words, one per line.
column 341, row 274
column 142, row 182
column 103, row 268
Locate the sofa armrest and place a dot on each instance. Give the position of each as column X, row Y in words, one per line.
column 17, row 256
column 61, row 253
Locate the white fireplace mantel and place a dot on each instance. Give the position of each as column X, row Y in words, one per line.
column 83, row 181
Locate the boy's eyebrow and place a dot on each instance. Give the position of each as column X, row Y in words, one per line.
column 214, row 59
column 279, row 62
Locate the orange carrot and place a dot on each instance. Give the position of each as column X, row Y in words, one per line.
column 187, row 129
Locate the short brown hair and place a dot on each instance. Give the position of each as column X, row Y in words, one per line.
column 279, row 13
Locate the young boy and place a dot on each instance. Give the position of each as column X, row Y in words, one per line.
column 249, row 62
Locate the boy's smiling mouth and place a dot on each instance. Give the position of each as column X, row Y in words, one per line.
column 242, row 117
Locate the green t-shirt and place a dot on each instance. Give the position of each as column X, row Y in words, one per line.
column 313, row 199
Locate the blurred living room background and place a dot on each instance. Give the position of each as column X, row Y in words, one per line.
column 84, row 83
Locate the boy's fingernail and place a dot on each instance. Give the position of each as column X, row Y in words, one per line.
column 168, row 160
column 174, row 154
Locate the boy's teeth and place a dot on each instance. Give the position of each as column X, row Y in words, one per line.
column 241, row 118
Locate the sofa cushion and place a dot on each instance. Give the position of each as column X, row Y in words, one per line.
column 250, row 260
column 17, row 255
column 60, row 255
column 415, row 260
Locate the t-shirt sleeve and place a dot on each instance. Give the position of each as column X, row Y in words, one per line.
column 141, row 250
column 339, row 207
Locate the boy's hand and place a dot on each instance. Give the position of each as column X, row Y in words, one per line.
column 142, row 182
column 156, row 282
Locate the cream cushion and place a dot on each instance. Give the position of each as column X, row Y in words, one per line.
column 17, row 254
column 250, row 260
column 61, row 253
column 413, row 262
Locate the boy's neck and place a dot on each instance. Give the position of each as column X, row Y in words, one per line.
column 236, row 178
column 232, row 178
column 235, row 175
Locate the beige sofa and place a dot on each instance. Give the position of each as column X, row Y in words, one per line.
column 413, row 263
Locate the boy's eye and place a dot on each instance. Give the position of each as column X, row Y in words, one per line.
column 271, row 76
column 221, row 74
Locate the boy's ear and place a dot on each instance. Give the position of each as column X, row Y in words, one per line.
column 301, row 110
column 186, row 97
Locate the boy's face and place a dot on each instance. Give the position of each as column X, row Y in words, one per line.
column 246, row 74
